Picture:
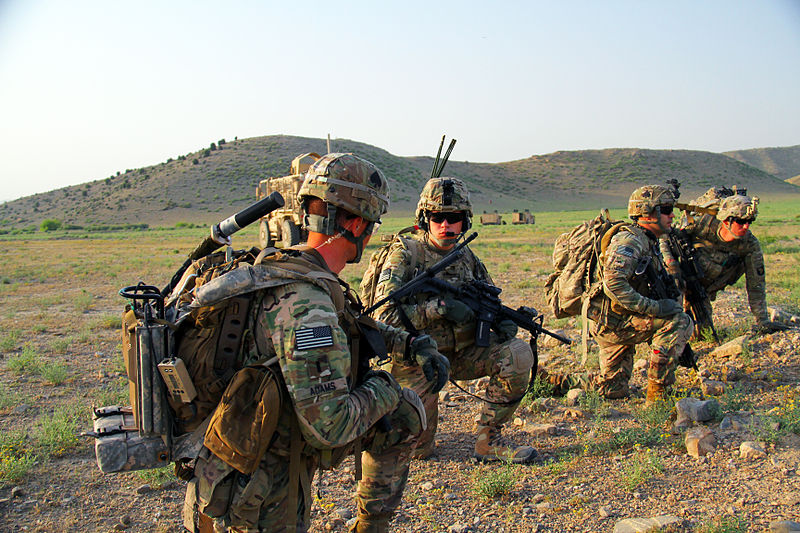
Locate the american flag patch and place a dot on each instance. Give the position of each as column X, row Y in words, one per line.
column 310, row 338
column 385, row 275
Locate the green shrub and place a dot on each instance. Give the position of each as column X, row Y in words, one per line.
column 50, row 224
column 724, row 524
column 641, row 466
column 56, row 434
column 54, row 373
column 495, row 481
column 157, row 477
column 27, row 362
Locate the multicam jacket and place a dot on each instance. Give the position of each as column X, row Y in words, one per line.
column 298, row 322
column 723, row 263
column 409, row 256
column 630, row 250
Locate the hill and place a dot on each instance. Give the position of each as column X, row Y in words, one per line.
column 782, row 162
column 213, row 182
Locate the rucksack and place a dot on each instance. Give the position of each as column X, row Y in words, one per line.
column 577, row 264
column 180, row 358
column 371, row 278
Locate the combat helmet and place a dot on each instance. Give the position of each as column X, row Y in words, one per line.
column 349, row 183
column 738, row 206
column 443, row 195
column 645, row 200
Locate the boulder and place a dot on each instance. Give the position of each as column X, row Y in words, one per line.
column 690, row 410
column 731, row 348
column 712, row 387
column 700, row 441
column 751, row 450
column 641, row 525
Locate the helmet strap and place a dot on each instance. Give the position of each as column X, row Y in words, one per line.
column 320, row 223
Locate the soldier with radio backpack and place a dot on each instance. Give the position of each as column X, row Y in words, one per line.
column 615, row 276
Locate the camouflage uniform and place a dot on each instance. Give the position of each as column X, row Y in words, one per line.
column 507, row 362
column 323, row 415
column 625, row 314
column 723, row 263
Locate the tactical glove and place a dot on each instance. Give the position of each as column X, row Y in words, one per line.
column 506, row 330
column 668, row 307
column 435, row 366
column 769, row 326
column 455, row 310
column 402, row 425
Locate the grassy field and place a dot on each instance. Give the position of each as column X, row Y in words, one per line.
column 59, row 323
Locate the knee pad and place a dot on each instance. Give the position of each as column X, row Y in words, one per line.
column 521, row 355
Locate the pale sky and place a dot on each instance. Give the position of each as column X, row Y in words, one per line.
column 89, row 88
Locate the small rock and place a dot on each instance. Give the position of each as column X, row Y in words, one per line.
column 541, row 430
column 784, row 526
column 519, row 422
column 120, row 527
column 144, row 489
column 731, row 423
column 542, row 404
column 751, row 450
column 550, row 342
column 693, row 410
column 527, row 510
column 444, row 396
column 712, row 387
column 730, row 373
column 457, row 528
column 641, row 364
column 544, row 506
column 428, row 485
column 791, row 499
column 574, row 396
column 605, row 511
column 20, row 409
column 344, row 513
column 451, row 496
column 538, row 498
column 641, row 525
column 17, row 492
column 572, row 413
column 125, row 520
column 700, row 441
column 730, row 348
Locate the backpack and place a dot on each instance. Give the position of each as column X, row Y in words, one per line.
column 577, row 263
column 371, row 278
column 182, row 351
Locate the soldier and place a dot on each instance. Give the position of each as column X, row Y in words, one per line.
column 628, row 311
column 444, row 212
column 726, row 249
column 312, row 327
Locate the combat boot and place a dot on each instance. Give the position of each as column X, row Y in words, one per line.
column 655, row 392
column 370, row 525
column 424, row 452
column 491, row 446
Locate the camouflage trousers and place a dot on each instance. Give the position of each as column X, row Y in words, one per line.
column 666, row 337
column 221, row 499
column 508, row 365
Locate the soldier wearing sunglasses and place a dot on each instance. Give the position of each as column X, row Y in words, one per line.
column 444, row 213
column 726, row 249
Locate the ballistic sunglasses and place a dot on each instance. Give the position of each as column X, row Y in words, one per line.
column 451, row 218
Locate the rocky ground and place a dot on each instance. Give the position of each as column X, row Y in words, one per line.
column 601, row 463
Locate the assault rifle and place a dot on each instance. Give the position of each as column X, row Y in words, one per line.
column 481, row 297
column 662, row 286
column 692, row 274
